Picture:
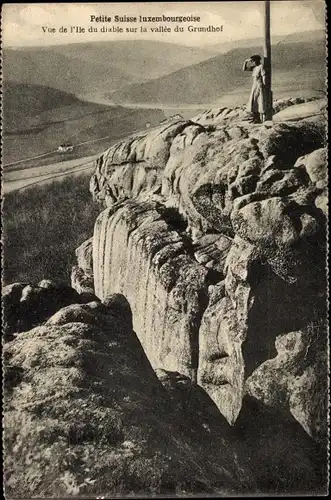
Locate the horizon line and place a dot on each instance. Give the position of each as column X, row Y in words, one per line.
column 4, row 45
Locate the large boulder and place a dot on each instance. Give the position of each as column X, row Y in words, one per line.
column 26, row 305
column 85, row 415
column 296, row 378
column 300, row 111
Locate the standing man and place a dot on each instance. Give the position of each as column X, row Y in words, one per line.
column 257, row 103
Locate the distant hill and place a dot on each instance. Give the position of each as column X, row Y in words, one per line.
column 143, row 59
column 23, row 102
column 51, row 68
column 301, row 64
column 37, row 119
column 99, row 66
column 304, row 36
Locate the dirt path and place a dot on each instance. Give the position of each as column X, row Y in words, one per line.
column 22, row 178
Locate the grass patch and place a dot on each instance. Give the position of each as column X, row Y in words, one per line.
column 42, row 228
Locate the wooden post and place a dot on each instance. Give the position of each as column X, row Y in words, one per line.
column 267, row 59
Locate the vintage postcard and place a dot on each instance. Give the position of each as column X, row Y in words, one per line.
column 164, row 285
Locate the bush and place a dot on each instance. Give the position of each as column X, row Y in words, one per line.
column 42, row 228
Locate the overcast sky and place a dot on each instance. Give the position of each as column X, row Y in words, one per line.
column 22, row 23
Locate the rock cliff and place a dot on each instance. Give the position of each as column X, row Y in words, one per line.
column 194, row 335
column 151, row 263
column 215, row 230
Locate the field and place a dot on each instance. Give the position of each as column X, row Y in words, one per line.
column 43, row 226
column 37, row 119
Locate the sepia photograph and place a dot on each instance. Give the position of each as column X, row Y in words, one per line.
column 164, row 249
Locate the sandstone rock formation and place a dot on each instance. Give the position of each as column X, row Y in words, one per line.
column 232, row 267
column 26, row 305
column 151, row 263
column 134, row 166
column 206, row 372
column 85, row 415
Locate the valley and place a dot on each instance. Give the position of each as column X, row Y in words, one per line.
column 299, row 64
column 37, row 119
column 48, row 96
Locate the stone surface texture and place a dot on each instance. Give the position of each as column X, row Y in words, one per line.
column 194, row 335
column 219, row 203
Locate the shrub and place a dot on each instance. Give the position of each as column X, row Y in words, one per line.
column 42, row 228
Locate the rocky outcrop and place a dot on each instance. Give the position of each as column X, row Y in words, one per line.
column 85, row 415
column 247, row 225
column 133, row 167
column 248, row 212
column 26, row 305
column 141, row 253
column 206, row 372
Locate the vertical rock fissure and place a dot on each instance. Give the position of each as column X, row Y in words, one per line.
column 203, row 302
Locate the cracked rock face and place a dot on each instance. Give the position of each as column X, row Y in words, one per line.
column 133, row 167
column 294, row 378
column 221, row 364
column 223, row 330
column 251, row 201
column 207, row 265
column 136, row 252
